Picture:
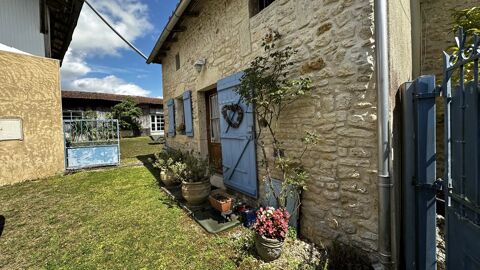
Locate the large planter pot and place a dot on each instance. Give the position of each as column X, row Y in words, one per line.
column 220, row 201
column 268, row 249
column 167, row 178
column 197, row 192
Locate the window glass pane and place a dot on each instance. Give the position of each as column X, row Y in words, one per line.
column 152, row 117
column 153, row 127
column 215, row 130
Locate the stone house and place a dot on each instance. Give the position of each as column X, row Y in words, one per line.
column 76, row 103
column 357, row 53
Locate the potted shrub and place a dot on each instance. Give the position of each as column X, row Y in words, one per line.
column 169, row 163
column 270, row 228
column 220, row 201
column 195, row 177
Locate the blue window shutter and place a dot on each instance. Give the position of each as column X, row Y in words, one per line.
column 171, row 117
column 187, row 110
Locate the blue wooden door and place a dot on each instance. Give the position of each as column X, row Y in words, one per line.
column 238, row 145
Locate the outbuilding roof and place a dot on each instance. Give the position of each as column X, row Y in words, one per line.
column 66, row 94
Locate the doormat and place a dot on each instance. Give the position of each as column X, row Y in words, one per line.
column 205, row 215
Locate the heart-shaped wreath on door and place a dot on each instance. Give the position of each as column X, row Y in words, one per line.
column 236, row 111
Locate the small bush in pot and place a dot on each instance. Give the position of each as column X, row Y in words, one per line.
column 195, row 177
column 169, row 161
column 271, row 228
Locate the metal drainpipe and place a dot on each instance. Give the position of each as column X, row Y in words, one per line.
column 384, row 180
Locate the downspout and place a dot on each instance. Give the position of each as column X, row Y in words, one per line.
column 383, row 108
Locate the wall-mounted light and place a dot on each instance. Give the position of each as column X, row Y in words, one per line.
column 200, row 64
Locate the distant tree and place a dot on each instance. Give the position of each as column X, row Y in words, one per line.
column 127, row 113
column 89, row 114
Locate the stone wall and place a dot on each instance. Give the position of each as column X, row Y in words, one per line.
column 437, row 36
column 336, row 51
column 30, row 90
column 437, row 32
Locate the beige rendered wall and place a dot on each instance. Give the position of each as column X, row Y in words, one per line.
column 334, row 40
column 400, row 69
column 30, row 90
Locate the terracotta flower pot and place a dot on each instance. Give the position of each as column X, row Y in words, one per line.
column 220, row 201
column 167, row 178
column 197, row 192
column 268, row 249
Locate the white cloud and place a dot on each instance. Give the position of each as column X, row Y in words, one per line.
column 92, row 38
column 74, row 67
column 128, row 17
column 109, row 84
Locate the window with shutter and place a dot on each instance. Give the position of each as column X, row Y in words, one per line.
column 187, row 110
column 171, row 117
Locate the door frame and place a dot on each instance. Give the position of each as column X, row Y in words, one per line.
column 207, row 95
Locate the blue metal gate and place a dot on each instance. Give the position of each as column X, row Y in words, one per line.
column 238, row 145
column 91, row 143
column 462, row 175
column 461, row 184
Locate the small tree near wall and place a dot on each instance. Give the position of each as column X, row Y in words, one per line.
column 268, row 85
column 127, row 112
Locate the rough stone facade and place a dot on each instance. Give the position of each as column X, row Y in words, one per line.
column 30, row 90
column 334, row 39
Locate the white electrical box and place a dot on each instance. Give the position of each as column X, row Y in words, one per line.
column 11, row 129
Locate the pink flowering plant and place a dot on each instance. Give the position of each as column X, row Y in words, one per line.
column 272, row 223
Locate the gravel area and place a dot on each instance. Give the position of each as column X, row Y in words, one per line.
column 297, row 254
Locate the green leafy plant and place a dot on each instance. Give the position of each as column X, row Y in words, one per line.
column 90, row 114
column 89, row 131
column 170, row 160
column 127, row 113
column 469, row 20
column 193, row 168
column 268, row 85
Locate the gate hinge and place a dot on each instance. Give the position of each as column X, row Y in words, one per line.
column 437, row 185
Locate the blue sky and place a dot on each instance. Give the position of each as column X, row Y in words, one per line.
column 99, row 61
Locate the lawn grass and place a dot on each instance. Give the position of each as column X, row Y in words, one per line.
column 135, row 150
column 108, row 219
